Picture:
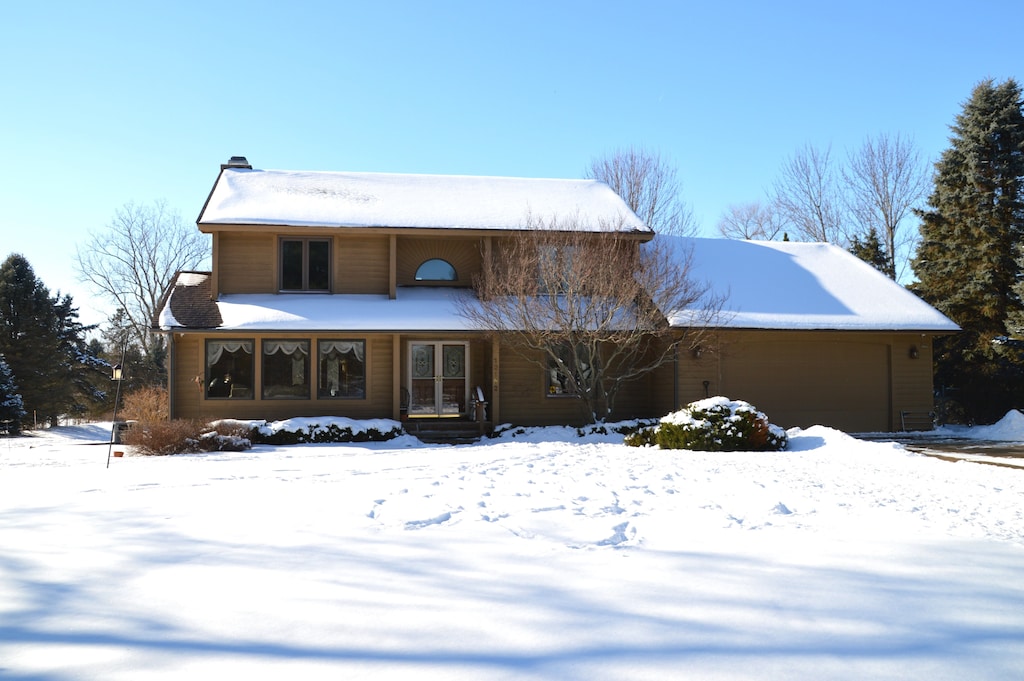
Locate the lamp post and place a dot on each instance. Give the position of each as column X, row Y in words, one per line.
column 116, row 375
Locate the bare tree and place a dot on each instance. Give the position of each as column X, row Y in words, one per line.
column 648, row 185
column 753, row 220
column 589, row 309
column 808, row 197
column 886, row 180
column 134, row 258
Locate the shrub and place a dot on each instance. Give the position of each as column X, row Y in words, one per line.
column 644, row 437
column 716, row 424
column 182, row 436
column 147, row 405
column 316, row 429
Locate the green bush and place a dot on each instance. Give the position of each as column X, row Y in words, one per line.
column 716, row 424
column 644, row 437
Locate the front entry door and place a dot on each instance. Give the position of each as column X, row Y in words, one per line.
column 438, row 384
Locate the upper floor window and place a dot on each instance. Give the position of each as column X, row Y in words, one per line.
column 305, row 264
column 436, row 269
column 556, row 269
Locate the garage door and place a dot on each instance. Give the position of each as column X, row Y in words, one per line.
column 844, row 385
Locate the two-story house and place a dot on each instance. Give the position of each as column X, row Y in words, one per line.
column 337, row 293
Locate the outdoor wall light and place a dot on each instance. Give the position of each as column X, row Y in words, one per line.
column 698, row 351
column 914, row 352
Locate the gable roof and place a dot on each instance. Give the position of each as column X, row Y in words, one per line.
column 793, row 285
column 345, row 199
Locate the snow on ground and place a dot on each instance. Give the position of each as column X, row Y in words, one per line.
column 536, row 557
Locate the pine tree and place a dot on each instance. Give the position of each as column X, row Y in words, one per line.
column 871, row 250
column 966, row 262
column 44, row 345
column 12, row 407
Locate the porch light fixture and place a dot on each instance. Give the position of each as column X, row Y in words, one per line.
column 698, row 351
column 914, row 352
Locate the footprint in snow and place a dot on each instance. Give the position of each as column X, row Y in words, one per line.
column 623, row 533
column 436, row 520
column 373, row 511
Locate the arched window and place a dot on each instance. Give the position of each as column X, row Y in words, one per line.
column 436, row 269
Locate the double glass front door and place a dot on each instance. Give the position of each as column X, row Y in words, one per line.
column 438, row 380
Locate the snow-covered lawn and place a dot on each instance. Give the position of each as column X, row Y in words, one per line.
column 549, row 558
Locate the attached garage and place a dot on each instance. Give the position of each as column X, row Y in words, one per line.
column 809, row 334
column 845, row 383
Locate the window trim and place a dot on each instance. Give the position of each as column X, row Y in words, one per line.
column 550, row 390
column 207, row 373
column 366, row 359
column 305, row 241
column 264, row 342
column 423, row 280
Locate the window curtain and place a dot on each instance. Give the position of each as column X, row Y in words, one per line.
column 342, row 347
column 285, row 347
column 215, row 349
column 297, row 349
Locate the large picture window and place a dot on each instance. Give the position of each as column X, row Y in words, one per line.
column 286, row 369
column 342, row 369
column 305, row 264
column 229, row 368
column 568, row 371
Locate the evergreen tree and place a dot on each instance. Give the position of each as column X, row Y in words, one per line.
column 966, row 263
column 44, row 345
column 871, row 250
column 148, row 368
column 12, row 407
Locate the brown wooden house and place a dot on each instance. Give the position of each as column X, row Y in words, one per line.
column 337, row 294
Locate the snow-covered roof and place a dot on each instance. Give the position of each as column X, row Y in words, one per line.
column 344, row 199
column 414, row 309
column 792, row 285
column 766, row 285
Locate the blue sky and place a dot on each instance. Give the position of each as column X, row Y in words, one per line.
column 106, row 103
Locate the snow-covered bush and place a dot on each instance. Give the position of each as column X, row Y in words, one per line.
column 318, row 429
column 715, row 424
column 183, row 436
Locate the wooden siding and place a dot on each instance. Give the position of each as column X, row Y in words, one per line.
column 361, row 264
column 523, row 399
column 187, row 376
column 247, row 263
column 912, row 377
column 857, row 382
column 462, row 254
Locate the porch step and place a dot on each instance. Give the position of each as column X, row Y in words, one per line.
column 447, row 431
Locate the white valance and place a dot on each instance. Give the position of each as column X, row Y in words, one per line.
column 214, row 349
column 342, row 347
column 284, row 346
